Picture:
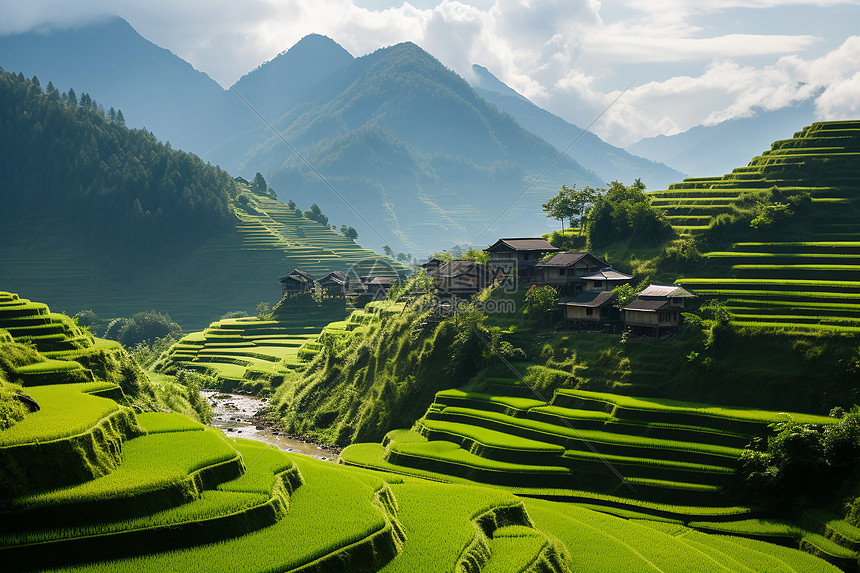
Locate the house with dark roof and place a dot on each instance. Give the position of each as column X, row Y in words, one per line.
column 431, row 265
column 297, row 282
column 657, row 308
column 336, row 283
column 462, row 278
column 605, row 279
column 522, row 254
column 568, row 268
column 591, row 309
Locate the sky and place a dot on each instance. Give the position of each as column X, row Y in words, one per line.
column 632, row 68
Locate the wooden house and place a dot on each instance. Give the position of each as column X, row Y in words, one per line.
column 462, row 278
column 568, row 268
column 655, row 309
column 240, row 179
column 336, row 283
column 431, row 265
column 605, row 279
column 377, row 287
column 297, row 282
column 522, row 254
column 591, row 309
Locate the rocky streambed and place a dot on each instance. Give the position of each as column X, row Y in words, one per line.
column 244, row 417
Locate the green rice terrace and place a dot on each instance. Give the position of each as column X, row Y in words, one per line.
column 90, row 486
column 663, row 463
column 805, row 277
column 255, row 355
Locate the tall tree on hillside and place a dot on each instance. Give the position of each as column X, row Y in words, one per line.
column 570, row 202
column 316, row 214
column 560, row 207
column 349, row 232
column 120, row 118
column 259, row 184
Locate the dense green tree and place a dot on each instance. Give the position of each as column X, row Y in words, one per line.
column 61, row 160
column 120, row 118
column 349, row 232
column 625, row 213
column 316, row 214
column 569, row 203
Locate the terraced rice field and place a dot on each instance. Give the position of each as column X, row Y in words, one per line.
column 87, row 485
column 809, row 286
column 641, row 459
column 647, row 451
column 244, row 350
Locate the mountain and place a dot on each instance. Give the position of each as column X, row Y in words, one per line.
column 278, row 84
column 610, row 162
column 118, row 67
column 410, row 145
column 703, row 151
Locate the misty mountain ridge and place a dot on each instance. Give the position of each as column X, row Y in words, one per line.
column 441, row 157
column 610, row 162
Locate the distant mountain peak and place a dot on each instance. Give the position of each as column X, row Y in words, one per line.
column 313, row 53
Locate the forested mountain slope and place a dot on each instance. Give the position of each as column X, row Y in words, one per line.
column 90, row 205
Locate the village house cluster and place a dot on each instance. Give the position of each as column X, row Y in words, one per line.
column 585, row 284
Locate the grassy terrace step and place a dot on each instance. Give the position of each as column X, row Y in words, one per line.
column 743, row 420
column 249, row 503
column 518, row 548
column 591, row 440
column 158, row 471
column 825, row 247
column 74, row 437
column 797, row 326
column 490, row 444
column 506, row 404
column 837, row 320
column 460, row 536
column 817, row 286
column 609, row 543
column 53, row 372
column 449, row 458
column 372, row 456
column 833, row 527
column 337, row 520
column 830, row 551
column 603, row 420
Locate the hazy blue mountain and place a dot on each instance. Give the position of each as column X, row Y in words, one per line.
column 609, row 162
column 705, row 151
column 410, row 141
column 278, row 84
column 118, row 67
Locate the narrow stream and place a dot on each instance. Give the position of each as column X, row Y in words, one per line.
column 236, row 416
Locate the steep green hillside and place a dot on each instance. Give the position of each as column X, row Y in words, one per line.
column 90, row 205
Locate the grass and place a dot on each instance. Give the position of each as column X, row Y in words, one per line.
column 332, row 513
column 705, row 410
column 66, row 410
column 153, row 462
column 440, row 523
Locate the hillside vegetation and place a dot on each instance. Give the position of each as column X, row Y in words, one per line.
column 90, row 203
